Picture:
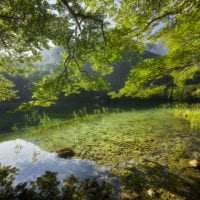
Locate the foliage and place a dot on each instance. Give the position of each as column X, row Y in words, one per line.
column 99, row 32
column 183, row 93
column 6, row 179
column 33, row 118
column 6, row 89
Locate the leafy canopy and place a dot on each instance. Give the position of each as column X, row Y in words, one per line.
column 99, row 32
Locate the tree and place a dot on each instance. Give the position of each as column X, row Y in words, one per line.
column 179, row 32
column 21, row 35
column 100, row 32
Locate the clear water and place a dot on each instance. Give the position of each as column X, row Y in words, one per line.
column 32, row 162
column 124, row 140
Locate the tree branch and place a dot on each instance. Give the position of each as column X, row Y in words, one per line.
column 4, row 43
column 172, row 12
column 76, row 15
column 6, row 17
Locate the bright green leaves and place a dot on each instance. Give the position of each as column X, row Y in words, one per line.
column 6, row 89
column 46, row 91
column 142, row 79
column 178, row 31
column 69, row 77
column 149, row 91
column 197, row 93
column 106, row 7
column 180, row 76
column 99, row 33
column 102, row 60
column 149, row 76
column 24, row 25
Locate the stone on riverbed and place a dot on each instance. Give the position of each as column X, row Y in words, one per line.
column 65, row 153
column 194, row 163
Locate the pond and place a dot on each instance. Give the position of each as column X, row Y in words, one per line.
column 148, row 148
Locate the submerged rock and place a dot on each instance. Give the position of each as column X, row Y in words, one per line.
column 194, row 163
column 65, row 153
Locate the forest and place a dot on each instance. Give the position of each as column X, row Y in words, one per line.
column 100, row 99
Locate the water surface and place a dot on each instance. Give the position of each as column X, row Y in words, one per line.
column 32, row 162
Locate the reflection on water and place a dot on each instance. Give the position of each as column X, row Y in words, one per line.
column 33, row 162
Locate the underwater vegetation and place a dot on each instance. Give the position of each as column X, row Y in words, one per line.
column 148, row 149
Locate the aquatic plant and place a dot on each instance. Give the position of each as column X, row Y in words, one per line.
column 115, row 138
column 191, row 114
column 32, row 118
column 44, row 118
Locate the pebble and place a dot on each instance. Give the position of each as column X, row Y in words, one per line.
column 129, row 195
column 151, row 192
column 194, row 163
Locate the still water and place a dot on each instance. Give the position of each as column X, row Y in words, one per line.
column 33, row 162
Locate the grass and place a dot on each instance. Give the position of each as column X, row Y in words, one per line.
column 138, row 145
column 190, row 114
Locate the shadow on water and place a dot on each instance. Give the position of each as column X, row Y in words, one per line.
column 155, row 181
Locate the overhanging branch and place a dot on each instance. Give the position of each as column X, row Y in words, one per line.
column 79, row 17
column 6, row 17
column 180, row 8
column 70, row 10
